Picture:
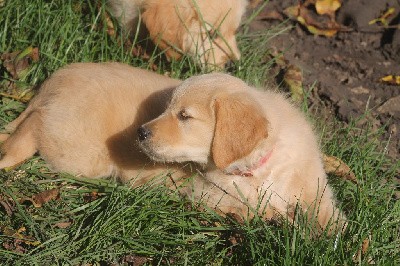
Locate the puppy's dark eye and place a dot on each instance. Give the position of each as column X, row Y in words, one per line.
column 183, row 115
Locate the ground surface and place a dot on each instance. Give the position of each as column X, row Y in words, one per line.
column 346, row 69
column 48, row 218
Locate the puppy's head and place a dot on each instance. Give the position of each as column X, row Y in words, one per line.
column 211, row 119
column 204, row 30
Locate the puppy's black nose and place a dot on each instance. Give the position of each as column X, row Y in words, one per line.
column 143, row 133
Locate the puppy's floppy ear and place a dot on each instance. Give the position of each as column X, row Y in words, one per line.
column 240, row 125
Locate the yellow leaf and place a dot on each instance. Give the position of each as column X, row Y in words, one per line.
column 395, row 80
column 313, row 26
column 327, row 6
column 18, row 234
column 292, row 11
column 325, row 32
column 294, row 80
column 383, row 18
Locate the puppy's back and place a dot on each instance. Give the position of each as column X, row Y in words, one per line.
column 80, row 108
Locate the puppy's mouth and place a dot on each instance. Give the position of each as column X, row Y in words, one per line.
column 149, row 150
column 165, row 154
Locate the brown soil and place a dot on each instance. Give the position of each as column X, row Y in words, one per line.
column 346, row 68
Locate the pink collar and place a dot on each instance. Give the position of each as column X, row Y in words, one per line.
column 249, row 171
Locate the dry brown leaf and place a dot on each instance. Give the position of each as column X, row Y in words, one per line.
column 134, row 260
column 43, row 197
column 110, row 25
column 14, row 245
column 18, row 62
column 363, row 251
column 19, row 237
column 92, row 196
column 254, row 3
column 317, row 25
column 17, row 65
column 337, row 167
column 13, row 67
column 8, row 206
column 63, row 225
column 271, row 14
column 23, row 97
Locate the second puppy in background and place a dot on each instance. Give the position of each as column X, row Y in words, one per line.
column 204, row 30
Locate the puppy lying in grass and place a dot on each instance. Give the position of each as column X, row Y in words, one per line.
column 204, row 30
column 256, row 148
column 256, row 153
column 84, row 121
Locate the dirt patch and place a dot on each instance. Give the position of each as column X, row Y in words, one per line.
column 346, row 68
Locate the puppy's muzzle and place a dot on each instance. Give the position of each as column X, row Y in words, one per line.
column 143, row 133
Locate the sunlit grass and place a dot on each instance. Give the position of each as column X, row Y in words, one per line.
column 100, row 221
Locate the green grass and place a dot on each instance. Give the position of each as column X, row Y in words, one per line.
column 107, row 221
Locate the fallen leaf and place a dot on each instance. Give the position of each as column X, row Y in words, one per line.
column 390, row 79
column 134, row 260
column 92, row 196
column 109, row 25
column 43, row 197
column 19, row 237
column 29, row 52
column 293, row 79
column 23, row 97
column 357, row 258
column 18, row 62
column 8, row 206
column 292, row 11
column 14, row 245
column 267, row 14
column 63, row 225
column 254, row 3
column 383, row 18
column 315, row 24
column 327, row 7
column 337, row 167
column 326, row 32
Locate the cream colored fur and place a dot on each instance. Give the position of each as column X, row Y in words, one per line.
column 202, row 29
column 219, row 121
column 85, row 118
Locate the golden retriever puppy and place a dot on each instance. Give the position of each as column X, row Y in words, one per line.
column 84, row 121
column 202, row 29
column 260, row 155
column 255, row 153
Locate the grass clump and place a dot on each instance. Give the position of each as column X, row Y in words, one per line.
column 99, row 221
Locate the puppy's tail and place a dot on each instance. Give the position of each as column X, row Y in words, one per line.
column 21, row 143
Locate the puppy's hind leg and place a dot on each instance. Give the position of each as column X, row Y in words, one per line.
column 21, row 144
